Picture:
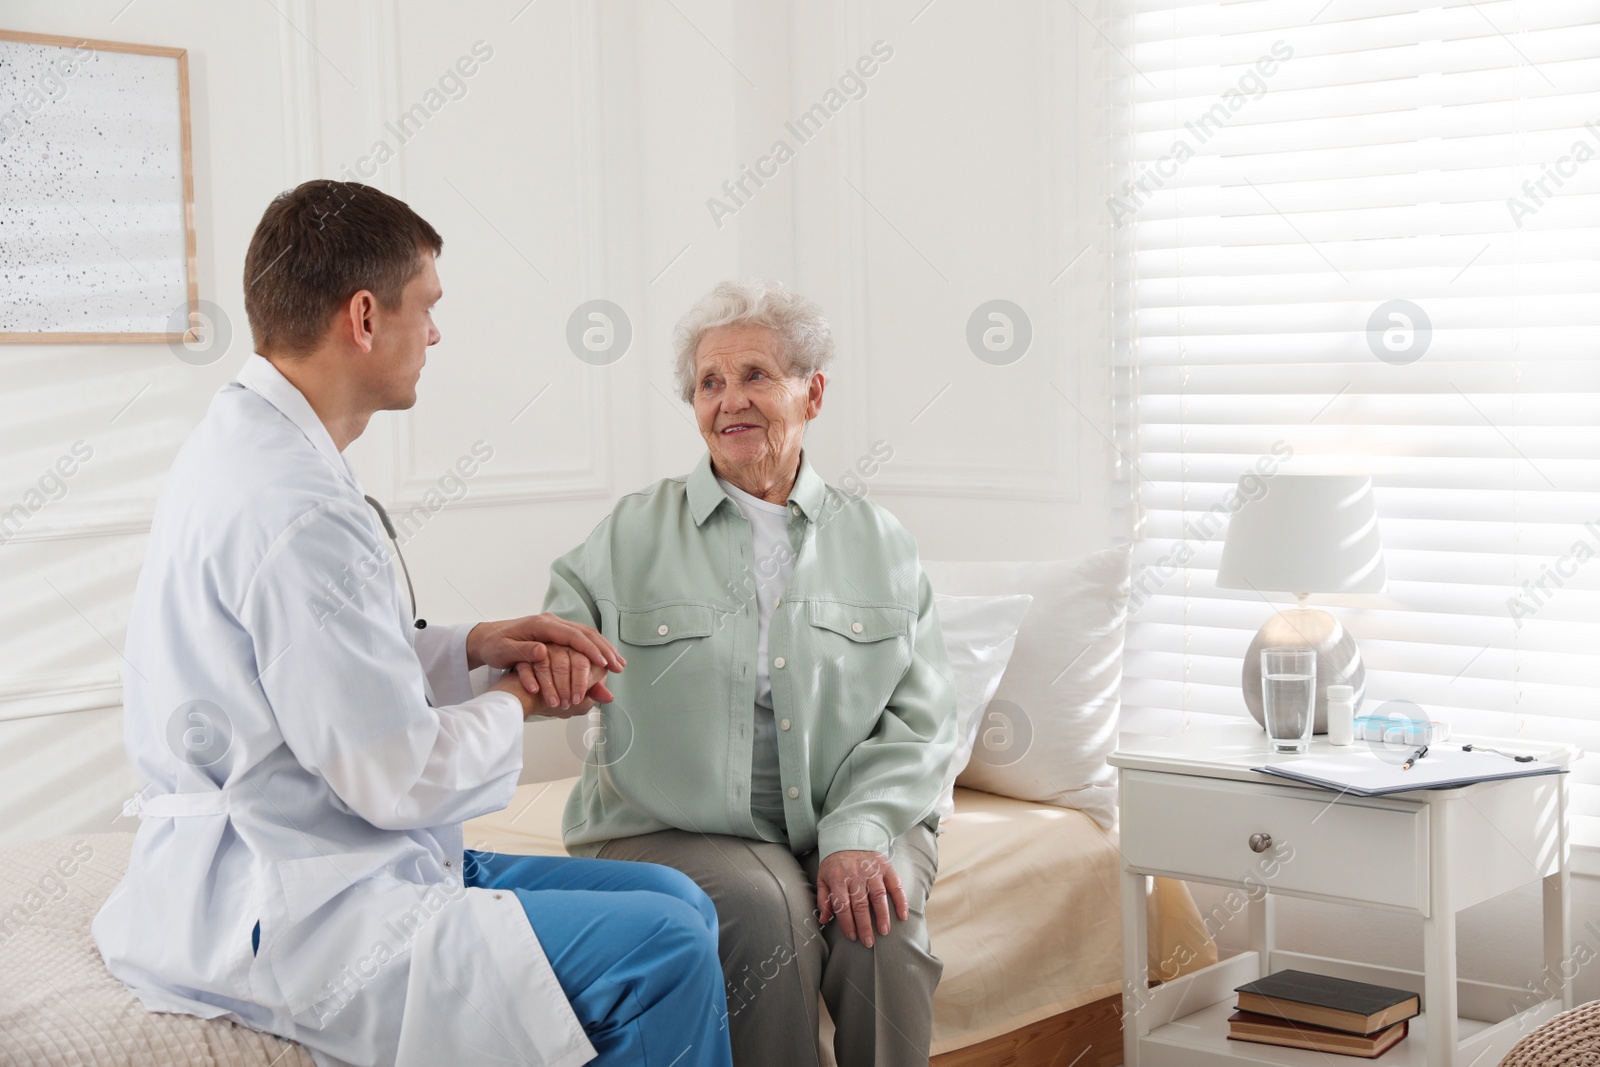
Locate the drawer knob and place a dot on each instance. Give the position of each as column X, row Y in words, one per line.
column 1260, row 842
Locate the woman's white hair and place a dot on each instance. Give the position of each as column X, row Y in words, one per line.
column 804, row 337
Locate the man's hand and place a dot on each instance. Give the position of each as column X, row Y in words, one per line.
column 857, row 887
column 563, row 661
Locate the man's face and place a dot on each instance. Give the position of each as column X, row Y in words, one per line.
column 400, row 340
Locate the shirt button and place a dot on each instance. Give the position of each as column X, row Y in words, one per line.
column 778, row 603
column 794, row 509
column 784, row 725
column 662, row 629
column 793, row 792
column 855, row 627
column 447, row 865
column 778, row 663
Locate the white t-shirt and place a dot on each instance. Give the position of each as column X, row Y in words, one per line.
column 774, row 566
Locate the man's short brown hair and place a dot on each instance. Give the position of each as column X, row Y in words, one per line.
column 318, row 245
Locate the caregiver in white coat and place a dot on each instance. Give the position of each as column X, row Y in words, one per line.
column 307, row 754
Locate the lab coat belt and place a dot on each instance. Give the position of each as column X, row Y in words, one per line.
column 177, row 805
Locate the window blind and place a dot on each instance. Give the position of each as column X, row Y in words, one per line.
column 1365, row 238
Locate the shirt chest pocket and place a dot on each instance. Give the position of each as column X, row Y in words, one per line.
column 859, row 654
column 866, row 643
column 664, row 625
column 858, row 625
column 671, row 645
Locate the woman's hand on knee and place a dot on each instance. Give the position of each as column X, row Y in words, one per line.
column 858, row 887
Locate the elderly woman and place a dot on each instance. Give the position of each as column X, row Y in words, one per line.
column 786, row 715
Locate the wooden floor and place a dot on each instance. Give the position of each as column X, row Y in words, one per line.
column 1090, row 1036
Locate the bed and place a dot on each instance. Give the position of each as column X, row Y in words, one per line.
column 1024, row 912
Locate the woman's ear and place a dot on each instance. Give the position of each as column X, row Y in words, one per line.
column 814, row 389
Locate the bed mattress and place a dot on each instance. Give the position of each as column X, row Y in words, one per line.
column 60, row 1007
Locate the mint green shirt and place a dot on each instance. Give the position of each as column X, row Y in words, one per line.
column 861, row 686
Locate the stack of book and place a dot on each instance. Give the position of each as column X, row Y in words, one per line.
column 1312, row 1011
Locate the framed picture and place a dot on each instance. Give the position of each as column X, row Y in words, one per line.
column 97, row 238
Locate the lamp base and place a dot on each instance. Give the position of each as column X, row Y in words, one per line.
column 1338, row 658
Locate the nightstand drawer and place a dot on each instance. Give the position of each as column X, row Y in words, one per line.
column 1368, row 850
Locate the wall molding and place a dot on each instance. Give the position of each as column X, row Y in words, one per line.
column 592, row 478
column 486, row 490
column 928, row 481
column 111, row 518
column 59, row 693
column 380, row 89
column 297, row 64
column 1057, row 481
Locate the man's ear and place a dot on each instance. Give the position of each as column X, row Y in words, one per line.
column 814, row 390
column 357, row 319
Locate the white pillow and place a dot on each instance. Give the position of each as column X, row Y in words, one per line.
column 979, row 635
column 1047, row 731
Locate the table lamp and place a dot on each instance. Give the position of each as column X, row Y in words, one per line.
column 1308, row 533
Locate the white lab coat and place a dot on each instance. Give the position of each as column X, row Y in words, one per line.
column 316, row 792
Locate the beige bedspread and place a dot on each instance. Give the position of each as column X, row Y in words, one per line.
column 1025, row 912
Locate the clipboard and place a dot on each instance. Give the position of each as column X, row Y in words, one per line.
column 1364, row 773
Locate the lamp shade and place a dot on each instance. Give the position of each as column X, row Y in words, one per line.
column 1308, row 533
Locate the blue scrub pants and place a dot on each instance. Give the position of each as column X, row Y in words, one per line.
column 634, row 947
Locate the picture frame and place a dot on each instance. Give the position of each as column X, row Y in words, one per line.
column 97, row 176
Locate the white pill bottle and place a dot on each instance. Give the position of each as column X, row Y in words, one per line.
column 1341, row 715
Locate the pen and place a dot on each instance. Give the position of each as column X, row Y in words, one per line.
column 1418, row 754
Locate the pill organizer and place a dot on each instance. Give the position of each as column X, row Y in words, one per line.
column 1401, row 730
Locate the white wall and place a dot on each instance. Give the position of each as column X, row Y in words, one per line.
column 578, row 165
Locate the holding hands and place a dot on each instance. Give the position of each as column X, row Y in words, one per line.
column 563, row 662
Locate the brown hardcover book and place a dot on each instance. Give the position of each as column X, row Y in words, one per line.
column 1337, row 1003
column 1265, row 1030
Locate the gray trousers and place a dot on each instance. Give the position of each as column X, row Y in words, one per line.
column 776, row 959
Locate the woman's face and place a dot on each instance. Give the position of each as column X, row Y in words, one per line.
column 751, row 410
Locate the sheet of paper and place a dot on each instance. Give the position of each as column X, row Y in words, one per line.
column 1371, row 772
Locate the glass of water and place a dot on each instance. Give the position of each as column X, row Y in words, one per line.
column 1289, row 696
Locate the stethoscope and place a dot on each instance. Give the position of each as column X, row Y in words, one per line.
column 388, row 528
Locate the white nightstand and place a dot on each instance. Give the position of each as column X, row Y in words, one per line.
column 1193, row 809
